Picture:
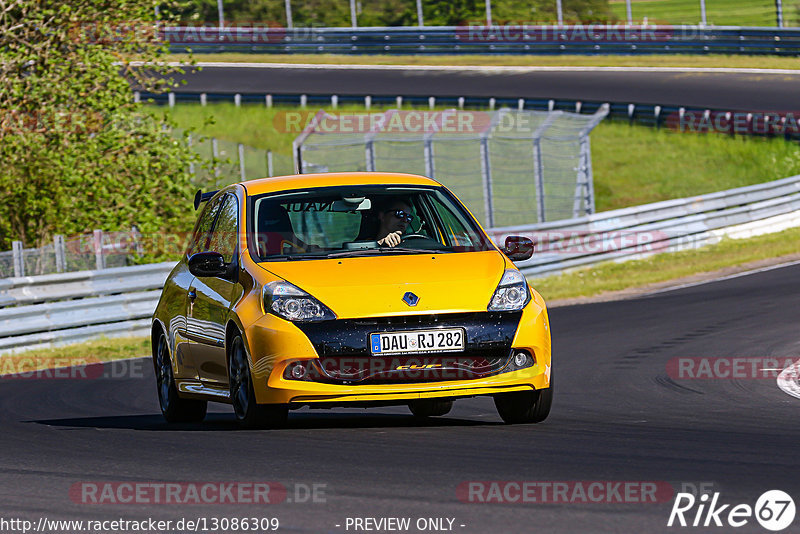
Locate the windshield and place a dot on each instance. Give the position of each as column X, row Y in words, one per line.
column 361, row 221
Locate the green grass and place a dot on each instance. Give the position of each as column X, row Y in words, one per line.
column 632, row 164
column 637, row 164
column 79, row 354
column 612, row 276
column 655, row 60
column 718, row 12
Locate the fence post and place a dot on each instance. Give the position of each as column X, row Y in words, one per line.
column 538, row 178
column 583, row 181
column 203, row 99
column 99, row 257
column 215, row 155
column 486, row 178
column 269, row 163
column 268, row 101
column 189, row 144
column 19, row 262
column 171, row 99
column 61, row 255
column 427, row 151
column 242, row 173
column 288, row 6
column 237, row 100
column 369, row 155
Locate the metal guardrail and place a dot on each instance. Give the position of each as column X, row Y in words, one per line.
column 81, row 284
column 640, row 231
column 54, row 309
column 497, row 39
column 677, row 118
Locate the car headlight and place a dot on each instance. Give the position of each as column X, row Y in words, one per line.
column 512, row 292
column 292, row 303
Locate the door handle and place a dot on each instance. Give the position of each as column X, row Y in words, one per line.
column 192, row 294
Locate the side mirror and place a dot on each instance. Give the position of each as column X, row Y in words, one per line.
column 518, row 248
column 208, row 264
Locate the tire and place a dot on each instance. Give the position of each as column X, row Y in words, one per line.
column 173, row 408
column 248, row 412
column 525, row 406
column 430, row 407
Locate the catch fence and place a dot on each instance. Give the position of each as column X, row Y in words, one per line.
column 511, row 166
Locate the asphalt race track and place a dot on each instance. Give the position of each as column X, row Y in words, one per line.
column 736, row 91
column 617, row 417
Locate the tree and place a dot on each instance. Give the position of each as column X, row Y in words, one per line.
column 77, row 153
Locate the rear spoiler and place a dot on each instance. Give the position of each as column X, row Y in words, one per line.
column 201, row 197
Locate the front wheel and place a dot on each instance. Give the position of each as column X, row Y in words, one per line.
column 524, row 406
column 243, row 397
column 174, row 408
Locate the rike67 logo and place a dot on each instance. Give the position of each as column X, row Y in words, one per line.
column 774, row 510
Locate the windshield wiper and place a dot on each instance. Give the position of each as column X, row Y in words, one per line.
column 355, row 252
column 292, row 257
column 383, row 250
column 420, row 250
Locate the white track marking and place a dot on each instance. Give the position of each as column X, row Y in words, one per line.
column 789, row 380
column 721, row 278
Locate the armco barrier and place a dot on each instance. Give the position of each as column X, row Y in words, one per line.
column 53, row 309
column 677, row 118
column 63, row 308
column 636, row 232
column 497, row 39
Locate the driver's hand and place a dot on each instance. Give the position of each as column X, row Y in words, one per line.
column 391, row 240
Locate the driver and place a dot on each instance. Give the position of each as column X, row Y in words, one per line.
column 393, row 219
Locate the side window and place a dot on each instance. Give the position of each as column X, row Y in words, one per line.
column 202, row 232
column 223, row 238
column 455, row 229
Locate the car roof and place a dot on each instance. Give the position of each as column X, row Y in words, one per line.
column 300, row 181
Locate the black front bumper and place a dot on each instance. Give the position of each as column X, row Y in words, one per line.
column 345, row 356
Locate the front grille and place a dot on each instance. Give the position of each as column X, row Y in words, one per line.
column 400, row 369
column 345, row 356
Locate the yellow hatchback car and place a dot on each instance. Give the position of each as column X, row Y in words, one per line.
column 347, row 289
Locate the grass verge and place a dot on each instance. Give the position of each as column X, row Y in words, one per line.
column 610, row 277
column 655, row 60
column 718, row 12
column 79, row 354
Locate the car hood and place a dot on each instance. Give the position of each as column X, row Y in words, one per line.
column 374, row 286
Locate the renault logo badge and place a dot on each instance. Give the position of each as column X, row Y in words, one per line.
column 410, row 298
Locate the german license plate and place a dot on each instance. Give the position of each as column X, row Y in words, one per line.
column 417, row 341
